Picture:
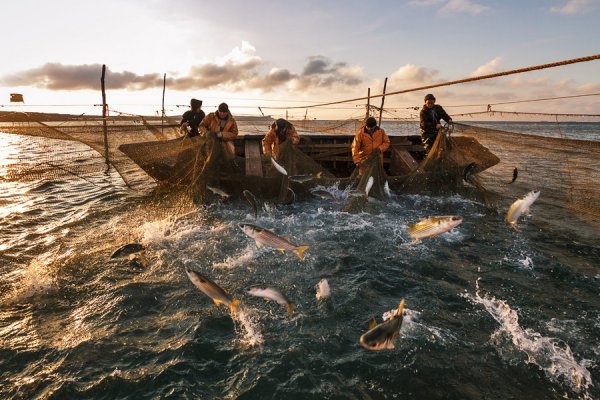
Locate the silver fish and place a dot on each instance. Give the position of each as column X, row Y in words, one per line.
column 217, row 191
column 270, row 293
column 519, row 207
column 128, row 249
column 386, row 189
column 324, row 194
column 383, row 336
column 323, row 289
column 304, row 178
column 433, row 226
column 264, row 237
column 253, row 201
column 369, row 185
column 212, row 290
column 278, row 167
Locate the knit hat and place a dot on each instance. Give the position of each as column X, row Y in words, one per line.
column 195, row 103
column 223, row 107
column 430, row 97
column 371, row 122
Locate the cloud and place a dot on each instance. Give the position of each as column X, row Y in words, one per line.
column 56, row 76
column 574, row 7
column 463, row 6
column 486, row 69
column 452, row 6
column 413, row 74
column 241, row 69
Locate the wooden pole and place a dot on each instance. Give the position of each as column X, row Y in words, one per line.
column 382, row 100
column 368, row 103
column 162, row 118
column 104, row 115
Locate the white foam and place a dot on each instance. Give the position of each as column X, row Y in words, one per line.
column 247, row 321
column 37, row 280
column 248, row 254
column 553, row 357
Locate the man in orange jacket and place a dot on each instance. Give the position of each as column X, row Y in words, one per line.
column 281, row 130
column 223, row 125
column 370, row 141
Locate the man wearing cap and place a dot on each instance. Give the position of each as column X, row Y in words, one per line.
column 192, row 118
column 223, row 125
column 430, row 116
column 280, row 131
column 370, row 141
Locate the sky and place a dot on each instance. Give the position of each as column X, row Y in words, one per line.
column 265, row 54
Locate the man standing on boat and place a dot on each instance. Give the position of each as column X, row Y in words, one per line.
column 370, row 141
column 430, row 116
column 222, row 124
column 191, row 119
column 280, row 131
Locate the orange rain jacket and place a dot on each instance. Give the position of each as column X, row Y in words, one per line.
column 364, row 143
column 271, row 141
column 211, row 123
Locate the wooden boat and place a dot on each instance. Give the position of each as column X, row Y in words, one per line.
column 173, row 162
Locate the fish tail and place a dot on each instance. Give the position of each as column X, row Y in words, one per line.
column 235, row 303
column 300, row 251
column 290, row 308
column 400, row 308
column 319, row 174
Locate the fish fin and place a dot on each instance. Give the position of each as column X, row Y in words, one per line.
column 300, row 251
column 281, row 250
column 286, row 238
column 372, row 323
column 515, row 227
column 319, row 174
column 234, row 305
column 290, row 308
column 258, row 244
column 217, row 302
column 400, row 308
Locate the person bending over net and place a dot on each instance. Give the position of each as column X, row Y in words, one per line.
column 280, row 131
column 191, row 118
column 430, row 116
column 370, row 141
column 221, row 124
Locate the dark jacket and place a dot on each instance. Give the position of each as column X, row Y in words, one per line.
column 430, row 117
column 193, row 120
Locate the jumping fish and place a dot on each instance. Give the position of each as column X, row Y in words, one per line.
column 217, row 191
column 253, row 201
column 386, row 189
column 291, row 199
column 264, row 237
column 519, row 207
column 468, row 171
column 382, row 336
column 128, row 249
column 278, row 167
column 212, row 290
column 304, row 178
column 270, row 293
column 515, row 175
column 323, row 289
column 433, row 226
column 324, row 194
column 369, row 185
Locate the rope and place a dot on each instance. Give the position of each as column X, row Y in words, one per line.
column 524, row 113
column 521, row 101
column 472, row 79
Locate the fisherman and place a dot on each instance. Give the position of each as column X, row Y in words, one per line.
column 223, row 125
column 192, row 118
column 370, row 141
column 430, row 116
column 280, row 131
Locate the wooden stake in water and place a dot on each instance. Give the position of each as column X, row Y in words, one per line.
column 382, row 100
column 104, row 115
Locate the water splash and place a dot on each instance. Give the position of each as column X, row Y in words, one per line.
column 553, row 357
column 37, row 280
column 246, row 322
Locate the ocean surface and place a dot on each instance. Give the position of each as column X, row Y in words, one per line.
column 490, row 313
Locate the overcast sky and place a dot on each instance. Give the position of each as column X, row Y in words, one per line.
column 267, row 53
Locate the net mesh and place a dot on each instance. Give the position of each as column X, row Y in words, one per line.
column 147, row 150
